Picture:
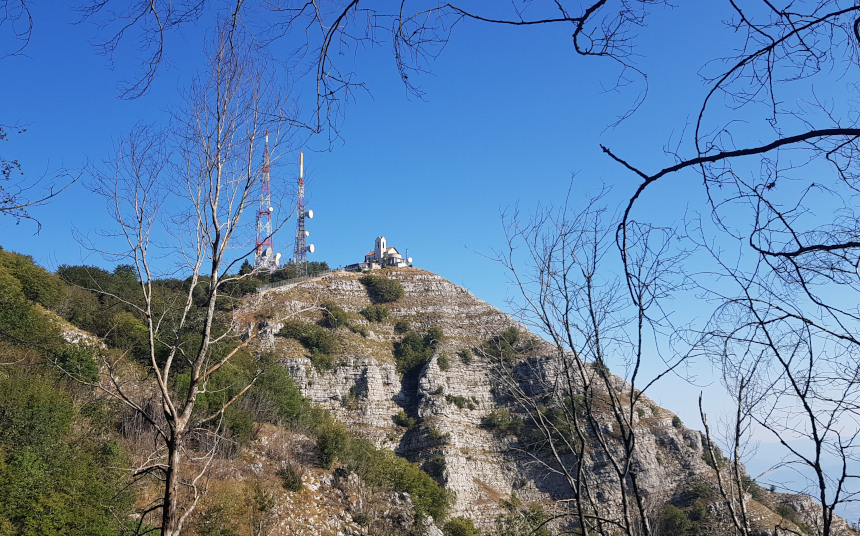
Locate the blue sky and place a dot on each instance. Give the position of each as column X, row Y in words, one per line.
column 508, row 118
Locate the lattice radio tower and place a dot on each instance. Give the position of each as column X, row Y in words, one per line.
column 264, row 257
column 300, row 256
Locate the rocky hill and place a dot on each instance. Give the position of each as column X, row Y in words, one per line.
column 454, row 412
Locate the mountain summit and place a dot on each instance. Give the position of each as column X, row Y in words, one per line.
column 490, row 411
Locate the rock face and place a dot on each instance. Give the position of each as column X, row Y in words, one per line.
column 444, row 403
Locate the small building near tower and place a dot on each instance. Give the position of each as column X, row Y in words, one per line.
column 382, row 256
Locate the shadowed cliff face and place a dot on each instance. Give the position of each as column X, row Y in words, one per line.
column 441, row 413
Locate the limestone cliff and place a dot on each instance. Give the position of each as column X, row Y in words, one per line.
column 444, row 405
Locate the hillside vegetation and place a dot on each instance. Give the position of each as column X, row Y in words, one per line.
column 382, row 404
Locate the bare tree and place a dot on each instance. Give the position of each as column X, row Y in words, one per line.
column 584, row 416
column 793, row 373
column 198, row 181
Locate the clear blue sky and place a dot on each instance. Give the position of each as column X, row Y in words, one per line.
column 509, row 116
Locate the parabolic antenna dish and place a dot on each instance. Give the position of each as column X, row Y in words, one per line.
column 268, row 252
column 311, row 248
column 310, row 214
column 307, row 233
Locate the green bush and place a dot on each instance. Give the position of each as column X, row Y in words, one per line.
column 502, row 345
column 433, row 434
column 332, row 441
column 56, row 477
column 401, row 326
column 381, row 289
column 601, row 369
column 333, row 315
column 443, row 362
column 381, row 468
column 414, row 351
column 375, row 313
column 321, row 342
column 404, row 420
column 465, row 356
column 128, row 333
column 291, row 476
column 78, row 361
column 501, row 420
column 21, row 322
column 460, row 526
column 275, row 395
column 522, row 520
column 752, row 487
column 460, row 401
column 435, row 466
column 360, row 330
column 676, row 421
column 37, row 284
column 673, row 520
column 788, row 512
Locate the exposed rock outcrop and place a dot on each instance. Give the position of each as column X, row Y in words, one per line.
column 446, row 401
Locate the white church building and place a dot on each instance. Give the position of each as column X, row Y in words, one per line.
column 382, row 256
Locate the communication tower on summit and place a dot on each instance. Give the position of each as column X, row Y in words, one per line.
column 264, row 257
column 300, row 256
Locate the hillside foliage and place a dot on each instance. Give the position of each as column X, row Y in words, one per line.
column 67, row 450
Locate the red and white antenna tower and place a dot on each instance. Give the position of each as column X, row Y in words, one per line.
column 300, row 256
column 264, row 257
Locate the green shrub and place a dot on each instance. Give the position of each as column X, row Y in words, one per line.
column 360, row 330
column 404, row 420
column 37, row 284
column 384, row 469
column 401, row 326
column 78, row 361
column 601, row 369
column 709, row 460
column 332, row 441
column 322, row 362
column 443, row 362
column 375, row 313
column 321, row 342
column 501, row 421
column 465, row 356
column 676, row 421
column 414, row 351
column 673, row 520
column 291, row 476
column 502, row 345
column 698, row 512
column 522, row 520
column 460, row 401
column 20, row 321
column 381, row 289
column 435, row 466
column 130, row 334
column 333, row 315
column 752, row 487
column 350, row 401
column 460, row 526
column 275, row 395
column 699, row 491
column 434, row 434
column 56, row 476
